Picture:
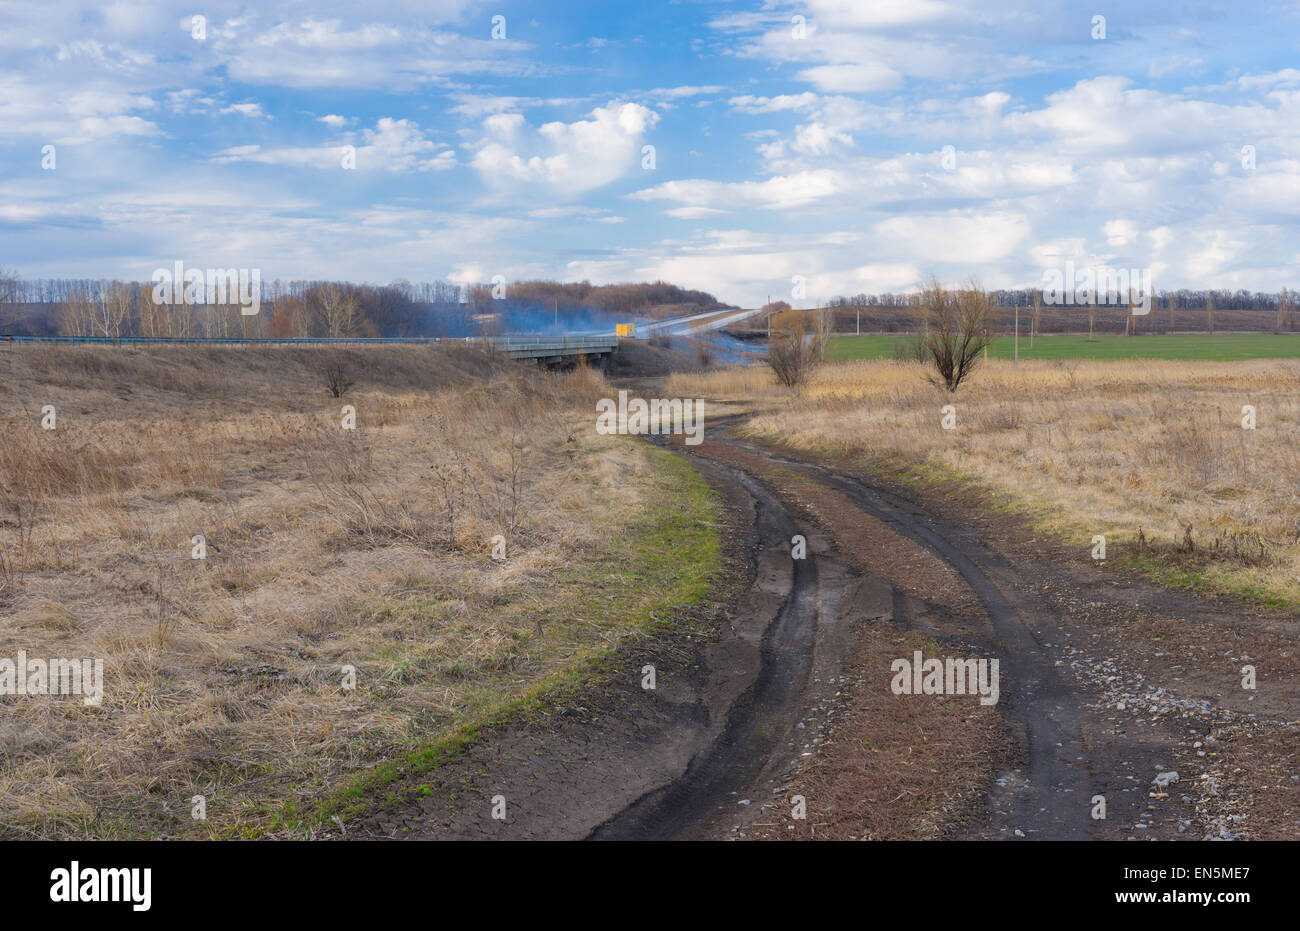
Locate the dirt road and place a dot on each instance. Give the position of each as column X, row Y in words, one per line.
column 1120, row 712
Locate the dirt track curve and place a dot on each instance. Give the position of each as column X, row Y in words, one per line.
column 712, row 752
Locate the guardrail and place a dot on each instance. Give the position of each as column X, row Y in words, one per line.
column 215, row 340
column 521, row 346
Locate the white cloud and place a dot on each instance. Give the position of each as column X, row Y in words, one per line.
column 392, row 146
column 332, row 53
column 250, row 110
column 564, row 159
column 858, row 78
column 955, row 238
column 694, row 213
column 778, row 193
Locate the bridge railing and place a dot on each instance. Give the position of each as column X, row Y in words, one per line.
column 503, row 343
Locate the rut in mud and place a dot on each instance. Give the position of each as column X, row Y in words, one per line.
column 714, row 750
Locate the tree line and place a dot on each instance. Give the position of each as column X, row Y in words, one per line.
column 305, row 308
column 1183, row 299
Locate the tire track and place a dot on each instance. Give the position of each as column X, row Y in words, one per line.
column 1051, row 801
column 760, row 719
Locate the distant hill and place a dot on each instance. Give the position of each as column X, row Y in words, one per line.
column 657, row 299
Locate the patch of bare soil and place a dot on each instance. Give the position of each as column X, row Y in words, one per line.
column 875, row 765
column 1172, row 735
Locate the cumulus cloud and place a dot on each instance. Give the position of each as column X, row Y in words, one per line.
column 564, row 159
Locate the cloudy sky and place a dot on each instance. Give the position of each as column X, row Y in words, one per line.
column 808, row 139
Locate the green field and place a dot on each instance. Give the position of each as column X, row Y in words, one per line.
column 1220, row 346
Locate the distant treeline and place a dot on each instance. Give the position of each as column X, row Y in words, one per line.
column 289, row 309
column 1184, row 299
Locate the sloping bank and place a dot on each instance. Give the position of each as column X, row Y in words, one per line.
column 647, row 582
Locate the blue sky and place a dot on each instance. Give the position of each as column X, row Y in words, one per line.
column 778, row 152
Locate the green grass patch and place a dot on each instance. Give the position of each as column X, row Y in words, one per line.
column 1220, row 347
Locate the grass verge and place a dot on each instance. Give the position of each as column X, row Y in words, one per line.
column 662, row 567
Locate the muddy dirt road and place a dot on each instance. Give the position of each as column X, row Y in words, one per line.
column 1120, row 713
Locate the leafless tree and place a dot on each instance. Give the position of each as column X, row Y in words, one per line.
column 10, row 286
column 112, row 309
column 1037, row 315
column 705, row 343
column 337, row 378
column 792, row 350
column 822, row 326
column 76, row 313
column 339, row 309
column 955, row 329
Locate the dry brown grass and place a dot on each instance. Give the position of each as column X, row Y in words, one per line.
column 326, row 548
column 1108, row 448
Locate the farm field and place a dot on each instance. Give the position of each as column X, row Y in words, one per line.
column 1223, row 347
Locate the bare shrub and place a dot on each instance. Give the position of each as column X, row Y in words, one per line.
column 954, row 329
column 337, row 377
column 792, row 350
column 661, row 339
column 16, row 545
column 705, row 344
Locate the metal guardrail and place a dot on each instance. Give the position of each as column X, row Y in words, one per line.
column 552, row 342
column 215, row 340
column 512, row 345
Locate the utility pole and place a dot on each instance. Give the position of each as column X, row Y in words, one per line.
column 859, row 333
column 1017, row 341
column 557, row 312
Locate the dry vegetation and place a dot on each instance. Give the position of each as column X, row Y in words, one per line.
column 1150, row 453
column 325, row 548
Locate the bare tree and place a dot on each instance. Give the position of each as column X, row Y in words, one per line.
column 10, row 293
column 792, row 351
column 706, row 345
column 770, row 311
column 955, row 329
column 10, row 286
column 339, row 309
column 1209, row 310
column 112, row 309
column 1037, row 315
column 337, row 378
column 822, row 327
column 76, row 313
column 1280, row 322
